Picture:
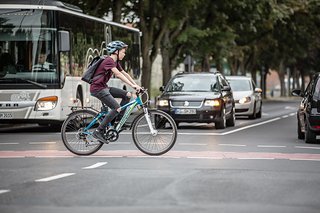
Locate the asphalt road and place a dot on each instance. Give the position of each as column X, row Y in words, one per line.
column 257, row 166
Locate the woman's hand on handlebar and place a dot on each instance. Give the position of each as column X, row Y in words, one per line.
column 137, row 88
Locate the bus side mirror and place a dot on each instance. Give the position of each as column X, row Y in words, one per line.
column 64, row 41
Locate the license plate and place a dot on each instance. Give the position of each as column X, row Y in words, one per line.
column 6, row 115
column 186, row 111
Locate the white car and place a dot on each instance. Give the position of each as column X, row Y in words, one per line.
column 247, row 96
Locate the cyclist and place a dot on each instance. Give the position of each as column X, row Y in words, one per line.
column 106, row 94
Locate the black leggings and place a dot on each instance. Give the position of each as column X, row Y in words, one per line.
column 107, row 96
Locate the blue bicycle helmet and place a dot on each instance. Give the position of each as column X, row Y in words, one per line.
column 115, row 45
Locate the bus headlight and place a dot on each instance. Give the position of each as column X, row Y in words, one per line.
column 46, row 103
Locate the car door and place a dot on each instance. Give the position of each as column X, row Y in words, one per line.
column 257, row 96
column 226, row 94
column 305, row 106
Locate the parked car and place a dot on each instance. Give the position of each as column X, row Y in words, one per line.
column 246, row 95
column 308, row 114
column 198, row 97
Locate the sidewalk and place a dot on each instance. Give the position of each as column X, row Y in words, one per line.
column 285, row 99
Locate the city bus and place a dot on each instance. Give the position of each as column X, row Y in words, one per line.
column 45, row 47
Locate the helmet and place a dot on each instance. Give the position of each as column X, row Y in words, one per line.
column 115, row 45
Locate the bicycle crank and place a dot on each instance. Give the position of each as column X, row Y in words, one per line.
column 112, row 135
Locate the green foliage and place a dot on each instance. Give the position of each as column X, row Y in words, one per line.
column 248, row 33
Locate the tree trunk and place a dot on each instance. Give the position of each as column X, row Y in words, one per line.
column 205, row 64
column 166, row 72
column 281, row 73
column 146, row 65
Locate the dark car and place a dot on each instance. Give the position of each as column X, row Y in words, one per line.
column 199, row 97
column 309, row 110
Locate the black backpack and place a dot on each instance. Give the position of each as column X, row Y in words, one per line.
column 88, row 75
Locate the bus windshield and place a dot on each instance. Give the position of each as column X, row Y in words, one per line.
column 27, row 49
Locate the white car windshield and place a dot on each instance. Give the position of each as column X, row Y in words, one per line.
column 240, row 84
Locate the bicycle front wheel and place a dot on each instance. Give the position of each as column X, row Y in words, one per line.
column 74, row 136
column 161, row 140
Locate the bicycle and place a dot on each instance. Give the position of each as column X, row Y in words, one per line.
column 154, row 132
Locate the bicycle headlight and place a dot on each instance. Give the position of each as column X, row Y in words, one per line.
column 46, row 103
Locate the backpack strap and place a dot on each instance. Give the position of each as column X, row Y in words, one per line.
column 97, row 77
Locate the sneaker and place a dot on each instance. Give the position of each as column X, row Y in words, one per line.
column 99, row 136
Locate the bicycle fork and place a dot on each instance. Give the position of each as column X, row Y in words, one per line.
column 153, row 131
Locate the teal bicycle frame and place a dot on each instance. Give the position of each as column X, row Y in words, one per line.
column 131, row 105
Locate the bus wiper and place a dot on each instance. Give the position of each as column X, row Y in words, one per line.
column 34, row 83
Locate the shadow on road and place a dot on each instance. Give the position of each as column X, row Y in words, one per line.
column 18, row 128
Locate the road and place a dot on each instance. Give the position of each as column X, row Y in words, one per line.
column 257, row 166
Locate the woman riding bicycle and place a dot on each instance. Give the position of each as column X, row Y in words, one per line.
column 106, row 94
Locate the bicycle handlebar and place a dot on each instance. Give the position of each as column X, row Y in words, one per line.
column 143, row 91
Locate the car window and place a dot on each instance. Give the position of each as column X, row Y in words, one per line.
column 309, row 87
column 253, row 85
column 193, row 83
column 317, row 90
column 223, row 82
column 240, row 84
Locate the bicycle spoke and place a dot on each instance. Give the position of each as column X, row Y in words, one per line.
column 160, row 139
column 75, row 138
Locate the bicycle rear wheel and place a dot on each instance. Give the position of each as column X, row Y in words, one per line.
column 75, row 139
column 160, row 142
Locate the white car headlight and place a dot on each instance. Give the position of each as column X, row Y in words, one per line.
column 213, row 103
column 46, row 103
column 244, row 100
column 163, row 103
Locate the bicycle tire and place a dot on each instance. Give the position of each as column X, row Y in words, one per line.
column 75, row 140
column 157, row 144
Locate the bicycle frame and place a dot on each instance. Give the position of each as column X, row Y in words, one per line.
column 131, row 105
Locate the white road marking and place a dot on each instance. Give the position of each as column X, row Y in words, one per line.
column 54, row 177
column 2, row 191
column 9, row 143
column 307, row 147
column 36, row 143
column 250, row 126
column 296, row 159
column 270, row 146
column 289, row 107
column 95, row 165
column 193, row 144
column 221, row 144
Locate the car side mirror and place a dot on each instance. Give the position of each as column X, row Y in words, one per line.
column 297, row 92
column 258, row 90
column 226, row 88
column 161, row 89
